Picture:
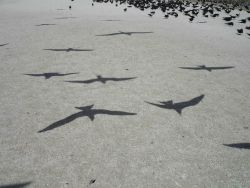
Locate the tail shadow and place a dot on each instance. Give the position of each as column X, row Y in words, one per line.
column 239, row 145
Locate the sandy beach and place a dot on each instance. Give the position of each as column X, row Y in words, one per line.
column 95, row 120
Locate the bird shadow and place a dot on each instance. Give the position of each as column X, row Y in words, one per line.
column 123, row 33
column 101, row 80
column 239, row 145
column 3, row 44
column 178, row 107
column 110, row 20
column 69, row 50
column 64, row 18
column 48, row 75
column 87, row 111
column 204, row 67
column 45, row 25
column 18, row 185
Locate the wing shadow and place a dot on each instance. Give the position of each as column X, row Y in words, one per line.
column 3, row 44
column 239, row 145
column 18, row 185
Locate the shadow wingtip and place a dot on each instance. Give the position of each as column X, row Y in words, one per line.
column 202, row 96
column 41, row 131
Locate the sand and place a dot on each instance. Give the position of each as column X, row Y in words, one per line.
column 155, row 148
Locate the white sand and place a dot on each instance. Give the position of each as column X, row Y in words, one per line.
column 155, row 148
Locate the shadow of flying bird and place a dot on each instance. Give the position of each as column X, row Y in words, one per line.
column 85, row 111
column 243, row 21
column 3, row 44
column 64, row 18
column 230, row 23
column 110, row 20
column 70, row 50
column 45, row 24
column 48, row 75
column 204, row 67
column 239, row 145
column 100, row 79
column 124, row 33
column 18, row 185
column 228, row 18
column 240, row 31
column 178, row 107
